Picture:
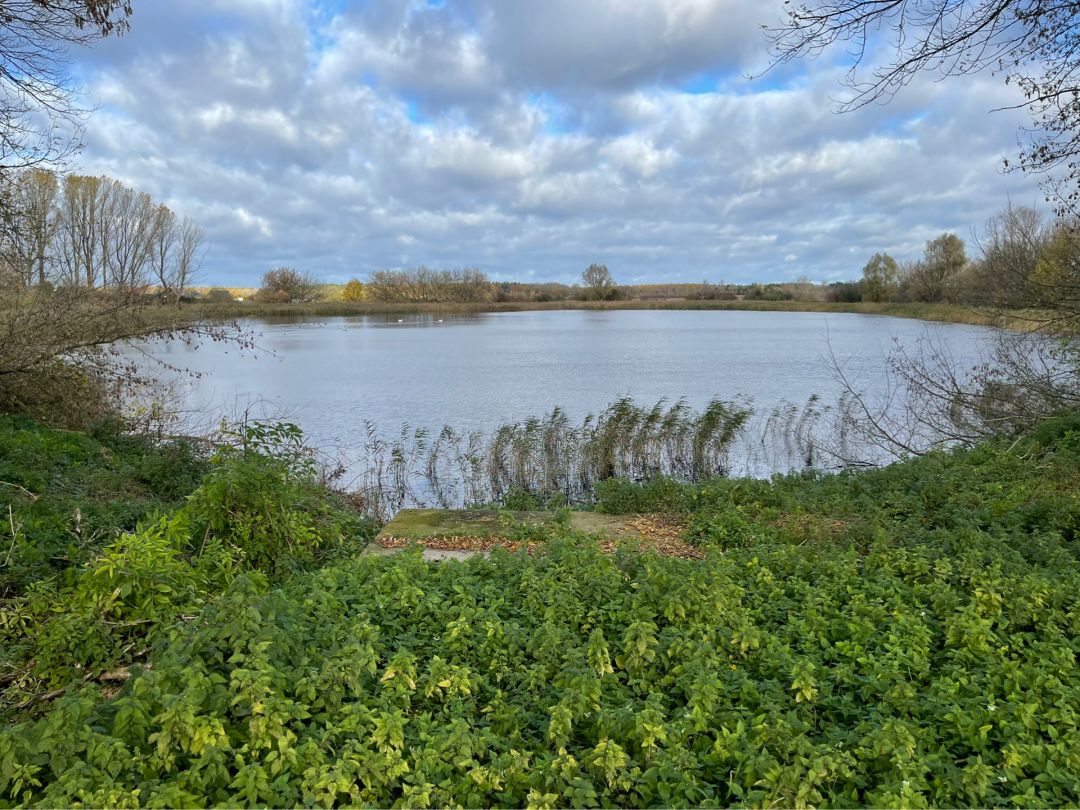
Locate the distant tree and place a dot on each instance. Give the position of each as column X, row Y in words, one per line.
column 286, row 285
column 423, row 285
column 598, row 282
column 845, row 292
column 881, row 278
column 931, row 280
column 37, row 209
column 189, row 255
column 1054, row 283
column 80, row 246
column 1011, row 244
column 354, row 291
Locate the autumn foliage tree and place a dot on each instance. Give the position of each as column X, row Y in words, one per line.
column 93, row 233
column 354, row 291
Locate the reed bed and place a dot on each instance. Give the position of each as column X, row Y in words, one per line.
column 552, row 460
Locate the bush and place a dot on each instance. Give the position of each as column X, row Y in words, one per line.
column 59, row 394
column 844, row 292
column 767, row 292
column 71, row 494
column 262, row 502
column 259, row 508
column 219, row 295
column 423, row 285
column 620, row 496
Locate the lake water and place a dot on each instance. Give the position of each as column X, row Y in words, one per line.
column 331, row 375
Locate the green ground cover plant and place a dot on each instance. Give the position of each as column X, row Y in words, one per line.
column 64, row 495
column 255, row 505
column 899, row 637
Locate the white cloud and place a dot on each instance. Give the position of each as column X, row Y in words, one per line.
column 529, row 139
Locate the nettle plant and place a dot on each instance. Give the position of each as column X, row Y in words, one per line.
column 260, row 508
column 906, row 637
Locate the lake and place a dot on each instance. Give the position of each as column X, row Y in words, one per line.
column 475, row 372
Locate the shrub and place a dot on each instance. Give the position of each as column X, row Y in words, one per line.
column 844, row 292
column 620, row 496
column 287, row 285
column 259, row 507
column 767, row 292
column 354, row 291
column 219, row 295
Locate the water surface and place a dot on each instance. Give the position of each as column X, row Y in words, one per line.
column 474, row 372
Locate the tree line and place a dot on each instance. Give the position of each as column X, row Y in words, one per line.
column 94, row 233
column 1023, row 259
column 422, row 285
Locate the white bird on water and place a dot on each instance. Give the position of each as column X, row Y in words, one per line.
column 399, row 320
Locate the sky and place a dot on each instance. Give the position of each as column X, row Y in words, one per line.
column 531, row 139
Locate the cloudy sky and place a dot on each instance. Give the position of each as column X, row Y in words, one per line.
column 530, row 139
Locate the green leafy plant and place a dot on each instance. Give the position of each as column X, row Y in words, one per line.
column 898, row 637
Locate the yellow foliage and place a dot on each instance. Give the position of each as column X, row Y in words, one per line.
column 354, row 292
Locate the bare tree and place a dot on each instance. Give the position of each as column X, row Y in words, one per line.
column 286, row 285
column 188, row 255
column 162, row 248
column 62, row 351
column 40, row 120
column 598, row 281
column 928, row 400
column 80, row 210
column 132, row 222
column 1010, row 243
column 423, row 285
column 37, row 211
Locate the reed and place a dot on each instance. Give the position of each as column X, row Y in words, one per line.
column 547, row 459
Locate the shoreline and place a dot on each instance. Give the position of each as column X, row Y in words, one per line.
column 946, row 313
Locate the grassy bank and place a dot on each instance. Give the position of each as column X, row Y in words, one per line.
column 952, row 313
column 904, row 636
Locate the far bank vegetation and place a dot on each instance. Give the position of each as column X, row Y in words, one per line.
column 1018, row 260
